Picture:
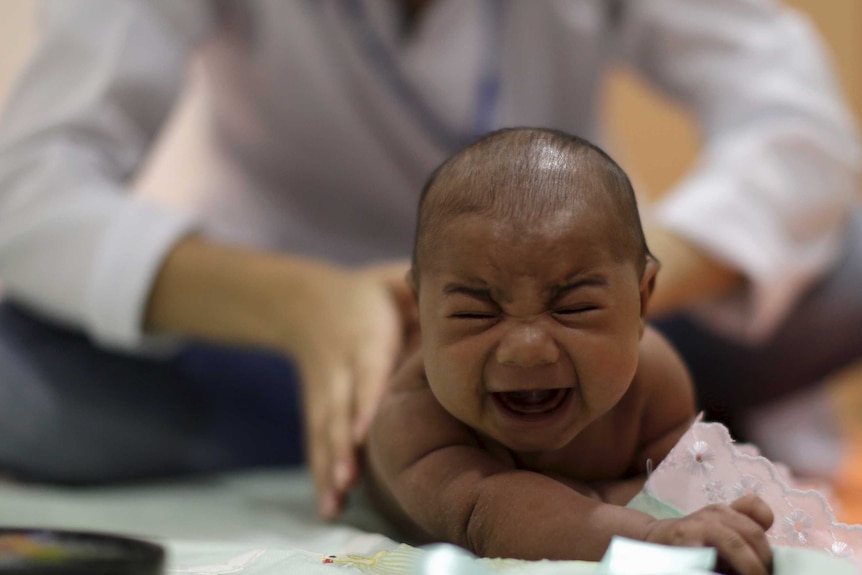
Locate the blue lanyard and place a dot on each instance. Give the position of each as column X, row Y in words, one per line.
column 487, row 91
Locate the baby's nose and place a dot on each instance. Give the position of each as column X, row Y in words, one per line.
column 527, row 344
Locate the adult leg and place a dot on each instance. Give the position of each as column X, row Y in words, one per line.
column 821, row 336
column 70, row 412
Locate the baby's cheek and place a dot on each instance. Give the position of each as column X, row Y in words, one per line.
column 614, row 365
column 454, row 376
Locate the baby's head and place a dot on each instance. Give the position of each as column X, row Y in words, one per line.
column 530, row 174
column 532, row 275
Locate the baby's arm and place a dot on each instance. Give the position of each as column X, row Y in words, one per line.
column 430, row 474
column 429, row 471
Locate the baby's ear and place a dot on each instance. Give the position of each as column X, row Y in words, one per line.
column 413, row 281
column 648, row 285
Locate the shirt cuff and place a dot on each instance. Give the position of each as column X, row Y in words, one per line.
column 778, row 260
column 134, row 247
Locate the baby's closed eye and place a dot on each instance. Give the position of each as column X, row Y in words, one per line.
column 576, row 309
column 480, row 315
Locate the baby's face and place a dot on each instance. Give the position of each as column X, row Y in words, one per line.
column 530, row 332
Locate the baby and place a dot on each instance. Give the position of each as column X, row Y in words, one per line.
column 540, row 395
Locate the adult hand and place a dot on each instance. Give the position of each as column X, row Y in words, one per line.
column 737, row 531
column 345, row 329
column 349, row 337
column 394, row 277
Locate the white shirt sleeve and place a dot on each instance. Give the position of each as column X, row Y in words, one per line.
column 75, row 245
column 778, row 173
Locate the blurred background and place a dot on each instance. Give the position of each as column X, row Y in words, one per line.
column 635, row 116
column 634, row 113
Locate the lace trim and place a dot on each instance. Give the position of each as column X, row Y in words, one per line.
column 706, row 467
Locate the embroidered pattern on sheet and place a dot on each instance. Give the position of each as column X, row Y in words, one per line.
column 399, row 560
column 386, row 562
column 707, row 467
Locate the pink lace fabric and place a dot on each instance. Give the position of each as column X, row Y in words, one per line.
column 707, row 467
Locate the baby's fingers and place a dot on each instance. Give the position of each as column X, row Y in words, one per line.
column 738, row 552
column 754, row 517
column 738, row 532
column 755, row 508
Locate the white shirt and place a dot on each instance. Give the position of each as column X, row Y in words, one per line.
column 317, row 147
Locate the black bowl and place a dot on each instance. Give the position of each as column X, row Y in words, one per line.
column 29, row 551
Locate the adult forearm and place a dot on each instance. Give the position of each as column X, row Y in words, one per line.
column 688, row 275
column 231, row 295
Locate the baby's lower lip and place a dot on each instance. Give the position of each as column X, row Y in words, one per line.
column 532, row 406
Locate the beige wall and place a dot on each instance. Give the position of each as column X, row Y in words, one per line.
column 635, row 114
column 16, row 38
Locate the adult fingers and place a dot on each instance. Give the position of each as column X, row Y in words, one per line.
column 394, row 277
column 330, row 446
column 372, row 366
column 394, row 273
column 344, row 468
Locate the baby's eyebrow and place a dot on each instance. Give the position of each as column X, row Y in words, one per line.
column 454, row 288
column 586, row 281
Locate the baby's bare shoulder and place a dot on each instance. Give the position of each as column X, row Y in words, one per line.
column 411, row 423
column 660, row 368
column 666, row 402
column 661, row 374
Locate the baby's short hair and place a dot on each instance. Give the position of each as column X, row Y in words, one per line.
column 522, row 173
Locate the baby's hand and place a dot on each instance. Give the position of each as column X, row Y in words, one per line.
column 737, row 531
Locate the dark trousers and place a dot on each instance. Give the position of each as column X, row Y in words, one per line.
column 73, row 413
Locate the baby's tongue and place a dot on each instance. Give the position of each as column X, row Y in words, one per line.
column 528, row 402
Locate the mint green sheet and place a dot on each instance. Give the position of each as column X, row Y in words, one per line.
column 264, row 523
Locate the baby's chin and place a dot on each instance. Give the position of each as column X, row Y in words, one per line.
column 527, row 442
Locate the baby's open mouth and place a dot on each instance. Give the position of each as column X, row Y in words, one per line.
column 533, row 402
